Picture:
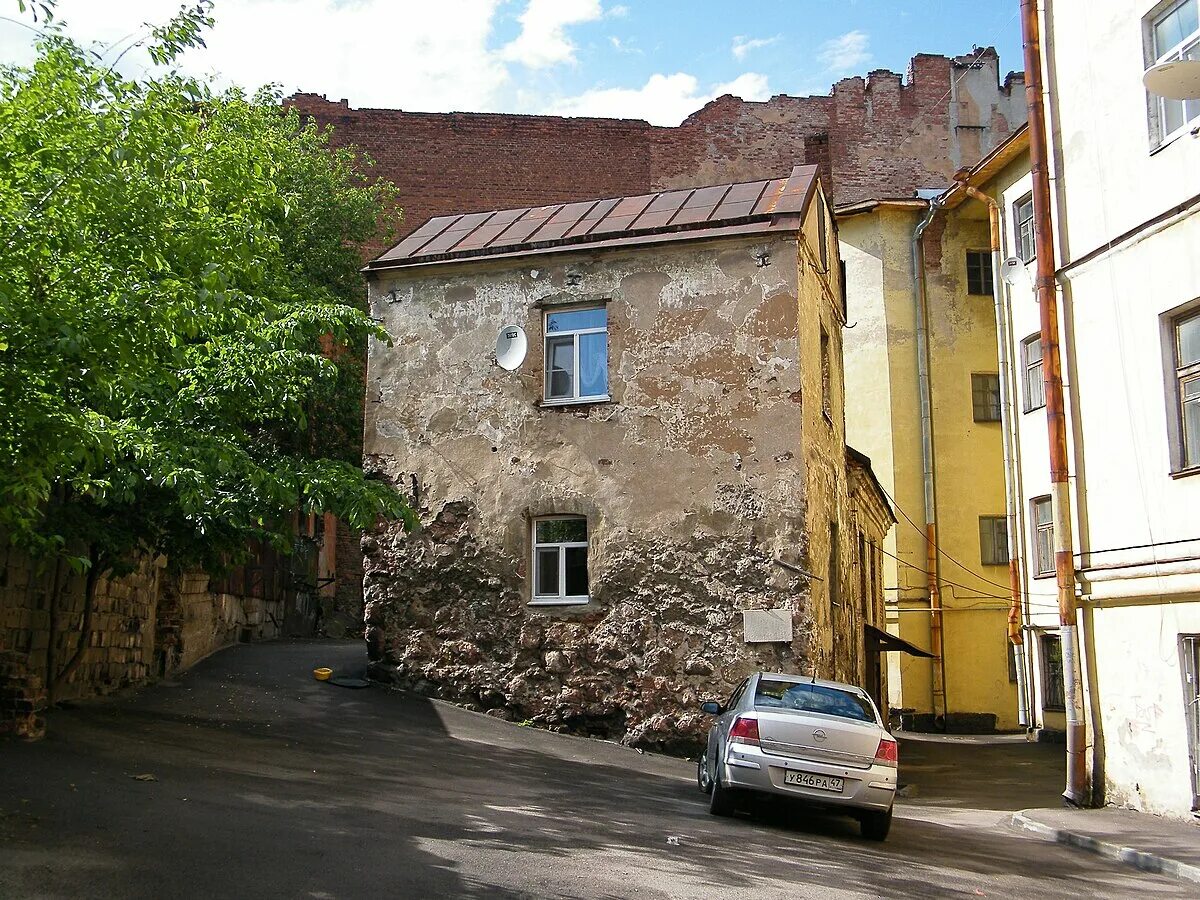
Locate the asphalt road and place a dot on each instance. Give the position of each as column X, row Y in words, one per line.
column 267, row 783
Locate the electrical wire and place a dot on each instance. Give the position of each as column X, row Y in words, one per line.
column 964, row 586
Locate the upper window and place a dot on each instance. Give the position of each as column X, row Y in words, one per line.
column 1176, row 35
column 577, row 355
column 1023, row 217
column 993, row 540
column 1187, row 379
column 985, row 396
column 979, row 273
column 1043, row 537
column 1035, row 383
column 560, row 560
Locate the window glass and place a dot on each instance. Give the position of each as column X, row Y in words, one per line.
column 979, row 272
column 985, row 397
column 593, row 364
column 547, row 572
column 1188, row 341
column 576, row 571
column 576, row 320
column 818, row 698
column 1023, row 213
column 1172, row 28
column 562, row 531
column 1191, row 421
column 993, row 540
column 560, row 374
column 1035, row 385
column 1053, row 695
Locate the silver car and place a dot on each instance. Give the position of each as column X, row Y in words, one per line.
column 820, row 742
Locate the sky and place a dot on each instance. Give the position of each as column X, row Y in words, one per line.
column 658, row 60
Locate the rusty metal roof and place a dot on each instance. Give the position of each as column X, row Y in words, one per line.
column 745, row 207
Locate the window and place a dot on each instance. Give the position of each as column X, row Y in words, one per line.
column 1189, row 648
column 1023, row 217
column 826, row 376
column 1053, row 694
column 1186, row 331
column 560, row 560
column 979, row 273
column 993, row 540
column 818, row 698
column 1043, row 537
column 1035, row 382
column 1012, row 661
column 577, row 355
column 822, row 234
column 1175, row 34
column 985, row 396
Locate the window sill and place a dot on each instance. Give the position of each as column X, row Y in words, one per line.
column 1054, row 709
column 1192, row 128
column 1184, row 473
column 1033, row 409
column 1043, row 575
column 582, row 401
column 560, row 601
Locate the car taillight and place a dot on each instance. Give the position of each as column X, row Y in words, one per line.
column 744, row 731
column 888, row 753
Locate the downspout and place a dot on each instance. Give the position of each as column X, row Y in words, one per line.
column 1077, row 792
column 1007, row 424
column 936, row 639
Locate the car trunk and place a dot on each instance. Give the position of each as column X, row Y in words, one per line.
column 818, row 737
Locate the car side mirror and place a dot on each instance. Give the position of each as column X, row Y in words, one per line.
column 711, row 707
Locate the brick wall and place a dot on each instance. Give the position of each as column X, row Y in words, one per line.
column 875, row 136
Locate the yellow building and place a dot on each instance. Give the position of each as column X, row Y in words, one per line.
column 940, row 459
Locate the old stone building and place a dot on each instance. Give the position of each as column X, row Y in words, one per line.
column 876, row 135
column 655, row 500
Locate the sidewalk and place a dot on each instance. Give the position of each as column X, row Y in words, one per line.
column 1149, row 843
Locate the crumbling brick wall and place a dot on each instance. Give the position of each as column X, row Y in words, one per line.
column 22, row 697
column 875, row 136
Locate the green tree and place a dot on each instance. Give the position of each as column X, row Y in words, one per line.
column 177, row 275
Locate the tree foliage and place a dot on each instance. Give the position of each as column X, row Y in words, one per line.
column 175, row 266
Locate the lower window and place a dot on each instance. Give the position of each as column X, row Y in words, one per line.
column 1053, row 693
column 560, row 560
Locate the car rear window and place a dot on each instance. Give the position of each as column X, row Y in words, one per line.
column 818, row 698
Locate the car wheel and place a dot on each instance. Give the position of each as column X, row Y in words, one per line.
column 876, row 825
column 703, row 779
column 721, row 800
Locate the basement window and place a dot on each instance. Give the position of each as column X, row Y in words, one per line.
column 560, row 560
column 577, row 356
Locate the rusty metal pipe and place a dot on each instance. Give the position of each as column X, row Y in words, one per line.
column 1077, row 791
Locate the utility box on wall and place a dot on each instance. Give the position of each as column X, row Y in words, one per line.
column 765, row 626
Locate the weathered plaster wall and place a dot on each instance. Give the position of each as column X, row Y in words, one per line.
column 698, row 473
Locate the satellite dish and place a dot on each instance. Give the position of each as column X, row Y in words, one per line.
column 1012, row 270
column 1175, row 80
column 511, row 347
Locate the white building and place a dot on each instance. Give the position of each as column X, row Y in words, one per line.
column 1126, row 184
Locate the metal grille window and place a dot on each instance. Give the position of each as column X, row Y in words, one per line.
column 1187, row 377
column 1053, row 693
column 1176, row 35
column 1035, row 382
column 979, row 273
column 577, row 355
column 560, row 560
column 1043, row 537
column 985, row 396
column 993, row 540
column 1023, row 217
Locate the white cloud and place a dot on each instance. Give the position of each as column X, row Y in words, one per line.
column 846, row 53
column 543, row 39
column 662, row 100
column 743, row 45
column 617, row 12
column 423, row 56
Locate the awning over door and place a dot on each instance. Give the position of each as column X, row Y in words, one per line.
column 886, row 641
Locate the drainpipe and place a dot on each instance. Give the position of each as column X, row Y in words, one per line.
column 931, row 557
column 1077, row 791
column 1007, row 423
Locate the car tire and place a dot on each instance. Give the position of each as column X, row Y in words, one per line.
column 721, row 800
column 876, row 825
column 703, row 779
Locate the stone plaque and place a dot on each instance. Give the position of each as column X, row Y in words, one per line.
column 764, row 626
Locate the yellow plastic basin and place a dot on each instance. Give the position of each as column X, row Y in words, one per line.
column 322, row 674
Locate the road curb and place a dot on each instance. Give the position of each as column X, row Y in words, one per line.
column 1139, row 859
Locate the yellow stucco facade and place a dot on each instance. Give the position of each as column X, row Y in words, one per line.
column 883, row 419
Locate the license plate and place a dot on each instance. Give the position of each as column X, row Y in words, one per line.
column 809, row 780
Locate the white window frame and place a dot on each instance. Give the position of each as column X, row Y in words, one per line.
column 1190, row 42
column 559, row 599
column 574, row 333
column 1023, row 231
column 1043, row 534
column 1032, row 403
column 1185, row 374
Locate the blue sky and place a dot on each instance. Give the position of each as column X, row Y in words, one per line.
column 653, row 59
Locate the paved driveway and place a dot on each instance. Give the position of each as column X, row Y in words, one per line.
column 270, row 784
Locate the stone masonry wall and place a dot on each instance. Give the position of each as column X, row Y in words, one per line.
column 693, row 480
column 873, row 136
